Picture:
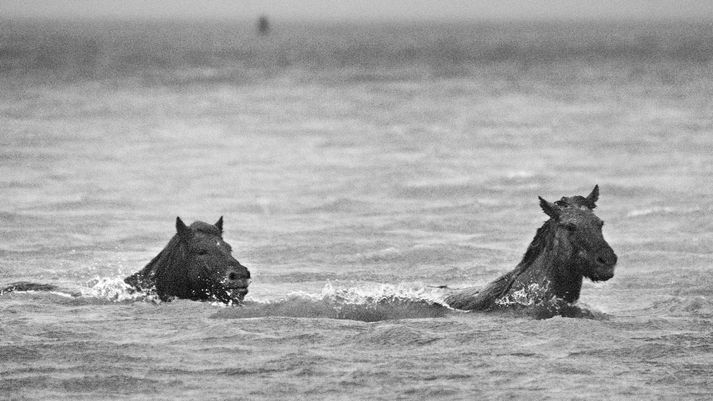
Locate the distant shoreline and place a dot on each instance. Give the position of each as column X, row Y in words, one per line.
column 624, row 21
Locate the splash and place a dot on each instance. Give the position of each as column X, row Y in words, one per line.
column 368, row 303
column 375, row 293
column 114, row 289
column 536, row 301
column 532, row 295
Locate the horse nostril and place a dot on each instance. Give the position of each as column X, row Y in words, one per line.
column 606, row 260
column 237, row 274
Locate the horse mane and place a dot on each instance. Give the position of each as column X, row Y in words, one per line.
column 483, row 298
column 172, row 256
column 539, row 244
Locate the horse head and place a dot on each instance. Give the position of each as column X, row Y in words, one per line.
column 578, row 236
column 209, row 269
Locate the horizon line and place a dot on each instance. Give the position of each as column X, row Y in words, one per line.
column 355, row 20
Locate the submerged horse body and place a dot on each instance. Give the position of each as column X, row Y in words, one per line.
column 568, row 247
column 195, row 264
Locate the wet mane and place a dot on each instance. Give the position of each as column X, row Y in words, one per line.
column 173, row 255
column 539, row 244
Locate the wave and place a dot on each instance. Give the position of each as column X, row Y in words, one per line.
column 341, row 205
column 370, row 299
column 661, row 210
column 396, row 335
column 700, row 306
column 368, row 303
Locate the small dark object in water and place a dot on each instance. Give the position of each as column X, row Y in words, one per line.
column 196, row 264
column 27, row 286
column 263, row 25
column 566, row 248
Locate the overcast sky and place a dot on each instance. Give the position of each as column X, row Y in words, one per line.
column 364, row 9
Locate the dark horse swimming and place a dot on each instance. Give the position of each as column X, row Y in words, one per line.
column 568, row 247
column 196, row 264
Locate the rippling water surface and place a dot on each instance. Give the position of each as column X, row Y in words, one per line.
column 359, row 168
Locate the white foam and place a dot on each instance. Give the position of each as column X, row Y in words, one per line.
column 61, row 294
column 370, row 293
column 114, row 289
column 519, row 174
column 363, row 294
column 660, row 210
column 532, row 295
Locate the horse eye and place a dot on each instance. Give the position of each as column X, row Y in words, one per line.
column 202, row 252
column 570, row 227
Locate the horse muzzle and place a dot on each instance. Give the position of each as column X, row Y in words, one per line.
column 236, row 281
column 604, row 266
column 602, row 274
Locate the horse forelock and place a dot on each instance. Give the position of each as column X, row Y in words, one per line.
column 577, row 201
column 206, row 228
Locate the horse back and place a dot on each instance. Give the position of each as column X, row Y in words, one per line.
column 27, row 286
column 476, row 298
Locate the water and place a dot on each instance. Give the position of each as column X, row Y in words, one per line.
column 358, row 168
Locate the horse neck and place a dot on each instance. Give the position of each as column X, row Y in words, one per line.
column 168, row 263
column 547, row 264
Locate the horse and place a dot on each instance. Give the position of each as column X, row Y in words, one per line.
column 196, row 264
column 566, row 248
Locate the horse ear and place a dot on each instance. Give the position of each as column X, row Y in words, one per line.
column 550, row 209
column 219, row 224
column 183, row 231
column 593, row 197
